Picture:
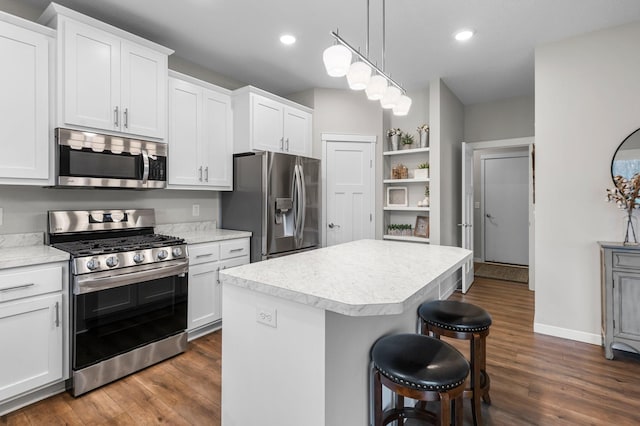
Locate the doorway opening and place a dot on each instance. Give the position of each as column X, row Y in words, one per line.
column 517, row 155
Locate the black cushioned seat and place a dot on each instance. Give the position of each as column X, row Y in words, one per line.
column 455, row 316
column 419, row 362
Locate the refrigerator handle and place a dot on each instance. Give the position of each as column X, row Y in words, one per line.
column 297, row 202
column 303, row 201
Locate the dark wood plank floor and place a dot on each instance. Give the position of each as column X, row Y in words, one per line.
column 535, row 379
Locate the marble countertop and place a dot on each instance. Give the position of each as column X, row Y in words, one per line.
column 360, row 278
column 200, row 232
column 27, row 249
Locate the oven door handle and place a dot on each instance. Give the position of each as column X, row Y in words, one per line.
column 89, row 283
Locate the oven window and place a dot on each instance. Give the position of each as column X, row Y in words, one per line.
column 114, row 321
column 87, row 163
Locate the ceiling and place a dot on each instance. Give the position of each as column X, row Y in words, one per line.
column 240, row 38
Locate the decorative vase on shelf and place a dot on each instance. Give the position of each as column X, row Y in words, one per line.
column 424, row 139
column 394, row 140
column 630, row 223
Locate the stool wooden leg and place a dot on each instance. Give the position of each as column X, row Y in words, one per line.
column 457, row 408
column 485, row 381
column 400, row 406
column 377, row 399
column 445, row 409
column 476, row 408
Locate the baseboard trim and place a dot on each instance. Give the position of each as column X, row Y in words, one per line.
column 566, row 333
column 31, row 397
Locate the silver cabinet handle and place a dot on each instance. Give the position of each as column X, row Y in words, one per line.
column 282, row 143
column 218, row 275
column 287, row 144
column 126, row 118
column 236, row 250
column 206, row 174
column 203, row 255
column 57, row 314
column 116, row 117
column 17, row 287
column 200, row 174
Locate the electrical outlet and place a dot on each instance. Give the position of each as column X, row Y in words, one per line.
column 195, row 210
column 266, row 316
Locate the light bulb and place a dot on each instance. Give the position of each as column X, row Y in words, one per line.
column 337, row 59
column 403, row 106
column 359, row 75
column 376, row 88
column 390, row 98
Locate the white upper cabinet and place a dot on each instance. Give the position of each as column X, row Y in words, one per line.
column 108, row 79
column 265, row 122
column 200, row 135
column 24, row 110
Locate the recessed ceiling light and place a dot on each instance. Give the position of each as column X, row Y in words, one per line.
column 287, row 39
column 463, row 35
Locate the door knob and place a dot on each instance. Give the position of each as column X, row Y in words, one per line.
column 333, row 225
column 489, row 216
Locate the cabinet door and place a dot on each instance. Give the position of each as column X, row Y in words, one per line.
column 143, row 91
column 31, row 354
column 218, row 290
column 24, row 110
column 185, row 164
column 203, row 295
column 217, row 139
column 266, row 124
column 91, row 77
column 626, row 310
column 297, row 131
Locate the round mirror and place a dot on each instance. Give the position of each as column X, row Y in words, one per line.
column 626, row 160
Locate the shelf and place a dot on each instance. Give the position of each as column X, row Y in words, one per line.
column 413, row 239
column 405, row 180
column 407, row 209
column 406, row 151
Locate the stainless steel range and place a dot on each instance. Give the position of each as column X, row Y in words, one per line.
column 128, row 292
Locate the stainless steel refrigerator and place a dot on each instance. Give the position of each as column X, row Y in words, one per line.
column 277, row 197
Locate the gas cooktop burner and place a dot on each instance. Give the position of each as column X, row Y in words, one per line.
column 83, row 248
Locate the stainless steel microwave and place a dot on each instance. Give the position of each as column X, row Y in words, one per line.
column 86, row 159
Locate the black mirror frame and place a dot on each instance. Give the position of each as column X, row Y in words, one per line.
column 618, row 149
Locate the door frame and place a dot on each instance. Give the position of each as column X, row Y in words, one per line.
column 484, row 157
column 337, row 138
column 514, row 143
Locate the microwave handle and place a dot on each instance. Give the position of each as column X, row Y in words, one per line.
column 145, row 166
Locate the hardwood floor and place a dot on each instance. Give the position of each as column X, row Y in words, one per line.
column 535, row 379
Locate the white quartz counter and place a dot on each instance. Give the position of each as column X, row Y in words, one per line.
column 27, row 249
column 200, row 232
column 360, row 278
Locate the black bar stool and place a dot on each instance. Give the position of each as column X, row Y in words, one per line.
column 422, row 368
column 462, row 320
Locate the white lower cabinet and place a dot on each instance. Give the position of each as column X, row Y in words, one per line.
column 206, row 260
column 33, row 319
column 31, row 354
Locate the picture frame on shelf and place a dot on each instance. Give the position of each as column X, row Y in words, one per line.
column 397, row 196
column 422, row 227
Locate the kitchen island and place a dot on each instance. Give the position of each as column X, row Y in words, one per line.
column 298, row 329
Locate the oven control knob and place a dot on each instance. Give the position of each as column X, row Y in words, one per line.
column 162, row 254
column 177, row 251
column 138, row 257
column 93, row 264
column 112, row 261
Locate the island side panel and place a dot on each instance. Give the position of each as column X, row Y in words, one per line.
column 348, row 348
column 271, row 376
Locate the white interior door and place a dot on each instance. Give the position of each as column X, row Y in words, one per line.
column 506, row 208
column 349, row 185
column 467, row 214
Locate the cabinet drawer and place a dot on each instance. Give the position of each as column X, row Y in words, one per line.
column 16, row 283
column 623, row 259
column 206, row 252
column 234, row 248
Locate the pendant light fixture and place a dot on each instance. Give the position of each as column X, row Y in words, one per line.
column 379, row 86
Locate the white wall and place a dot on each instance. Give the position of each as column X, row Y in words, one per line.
column 587, row 91
column 447, row 126
column 503, row 119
